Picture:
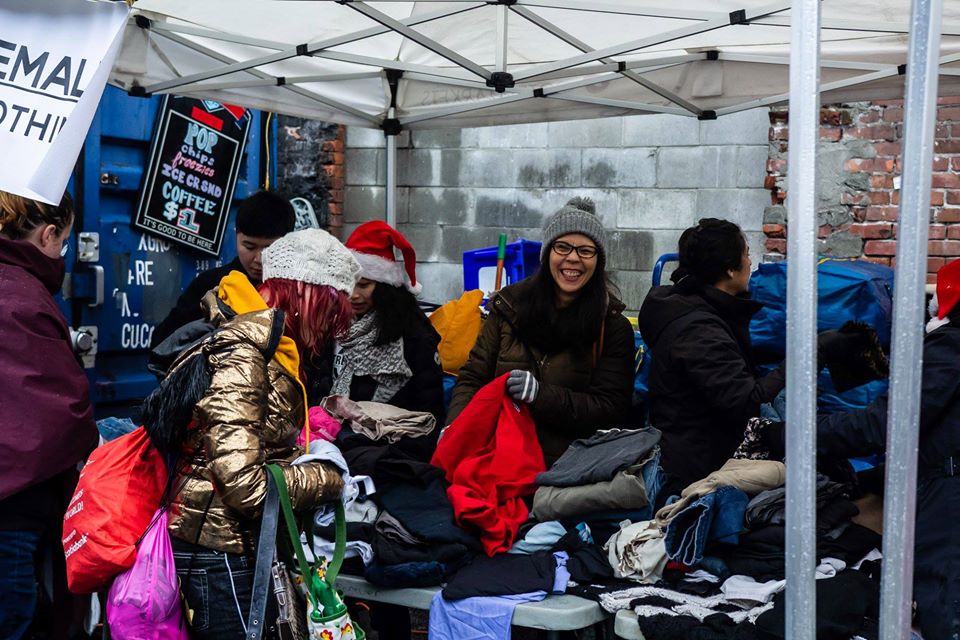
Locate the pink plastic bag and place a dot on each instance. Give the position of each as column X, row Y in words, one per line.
column 144, row 601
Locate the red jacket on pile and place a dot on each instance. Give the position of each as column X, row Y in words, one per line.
column 491, row 457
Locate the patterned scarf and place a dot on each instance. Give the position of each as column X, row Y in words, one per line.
column 359, row 356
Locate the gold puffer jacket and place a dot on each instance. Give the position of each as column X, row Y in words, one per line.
column 250, row 416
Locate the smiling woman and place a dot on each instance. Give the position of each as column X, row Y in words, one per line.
column 562, row 336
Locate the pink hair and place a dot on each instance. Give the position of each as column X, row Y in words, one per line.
column 314, row 314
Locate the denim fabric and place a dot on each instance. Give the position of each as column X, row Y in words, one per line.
column 18, row 582
column 218, row 587
column 113, row 428
column 654, row 476
column 716, row 516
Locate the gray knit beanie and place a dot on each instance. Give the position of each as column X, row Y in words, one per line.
column 579, row 215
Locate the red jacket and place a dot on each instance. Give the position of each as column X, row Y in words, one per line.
column 491, row 457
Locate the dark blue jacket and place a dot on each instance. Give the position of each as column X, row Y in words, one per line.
column 936, row 584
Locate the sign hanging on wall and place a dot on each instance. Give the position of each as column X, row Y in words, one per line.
column 192, row 173
column 55, row 57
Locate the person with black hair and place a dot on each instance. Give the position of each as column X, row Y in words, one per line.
column 262, row 219
column 704, row 384
column 561, row 334
column 390, row 353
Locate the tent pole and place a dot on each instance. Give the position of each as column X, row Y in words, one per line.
column 801, row 460
column 392, row 180
column 900, row 498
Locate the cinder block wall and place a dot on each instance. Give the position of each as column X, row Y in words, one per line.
column 650, row 176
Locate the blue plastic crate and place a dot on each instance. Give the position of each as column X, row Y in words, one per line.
column 480, row 265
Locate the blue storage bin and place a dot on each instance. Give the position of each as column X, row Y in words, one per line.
column 480, row 265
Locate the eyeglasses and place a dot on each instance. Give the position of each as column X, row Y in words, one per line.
column 585, row 251
column 64, row 249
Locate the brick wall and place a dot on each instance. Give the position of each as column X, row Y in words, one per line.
column 858, row 159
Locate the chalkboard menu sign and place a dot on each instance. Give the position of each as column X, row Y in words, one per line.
column 193, row 170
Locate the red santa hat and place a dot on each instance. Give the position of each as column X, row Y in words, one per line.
column 948, row 288
column 372, row 244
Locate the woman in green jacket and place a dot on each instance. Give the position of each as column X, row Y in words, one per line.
column 562, row 336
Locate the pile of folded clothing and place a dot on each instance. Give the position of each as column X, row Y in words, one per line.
column 602, row 480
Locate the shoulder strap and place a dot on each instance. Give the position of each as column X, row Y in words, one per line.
column 266, row 549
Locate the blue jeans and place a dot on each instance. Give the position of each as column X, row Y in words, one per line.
column 18, row 582
column 218, row 587
column 717, row 516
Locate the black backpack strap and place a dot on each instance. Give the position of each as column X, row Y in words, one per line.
column 266, row 549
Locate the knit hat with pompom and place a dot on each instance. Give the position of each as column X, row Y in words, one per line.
column 579, row 215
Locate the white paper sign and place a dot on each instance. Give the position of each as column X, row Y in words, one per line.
column 55, row 57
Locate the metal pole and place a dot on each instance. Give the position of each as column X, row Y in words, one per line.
column 392, row 179
column 903, row 417
column 503, row 39
column 801, row 541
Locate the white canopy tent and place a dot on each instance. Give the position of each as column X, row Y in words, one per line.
column 457, row 63
column 466, row 63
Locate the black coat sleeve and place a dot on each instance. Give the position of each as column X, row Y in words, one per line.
column 424, row 390
column 187, row 308
column 864, row 431
column 714, row 364
column 606, row 400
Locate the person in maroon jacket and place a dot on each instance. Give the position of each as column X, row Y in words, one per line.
column 46, row 421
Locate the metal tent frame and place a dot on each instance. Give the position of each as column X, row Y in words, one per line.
column 175, row 47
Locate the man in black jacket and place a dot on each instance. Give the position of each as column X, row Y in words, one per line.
column 936, row 579
column 703, row 382
column 262, row 218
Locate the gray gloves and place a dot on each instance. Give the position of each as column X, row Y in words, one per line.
column 522, row 386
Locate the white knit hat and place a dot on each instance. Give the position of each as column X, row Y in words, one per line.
column 312, row 256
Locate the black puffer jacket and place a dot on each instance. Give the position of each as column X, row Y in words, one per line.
column 703, row 383
column 577, row 396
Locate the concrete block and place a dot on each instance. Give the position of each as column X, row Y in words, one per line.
column 745, row 207
column 636, row 167
column 688, row 167
column 361, row 204
column 485, row 168
column 507, row 208
column 419, row 167
column 362, row 137
column 456, row 240
column 427, row 239
column 751, row 166
column 602, row 132
column 439, row 206
column 436, row 139
column 633, row 286
column 558, row 168
column 366, row 166
column 442, row 281
column 629, row 250
column 744, row 127
column 657, row 209
column 660, row 131
column 515, row 136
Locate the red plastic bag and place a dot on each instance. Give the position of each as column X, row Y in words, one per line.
column 120, row 488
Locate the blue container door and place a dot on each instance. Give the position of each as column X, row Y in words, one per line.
column 129, row 287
